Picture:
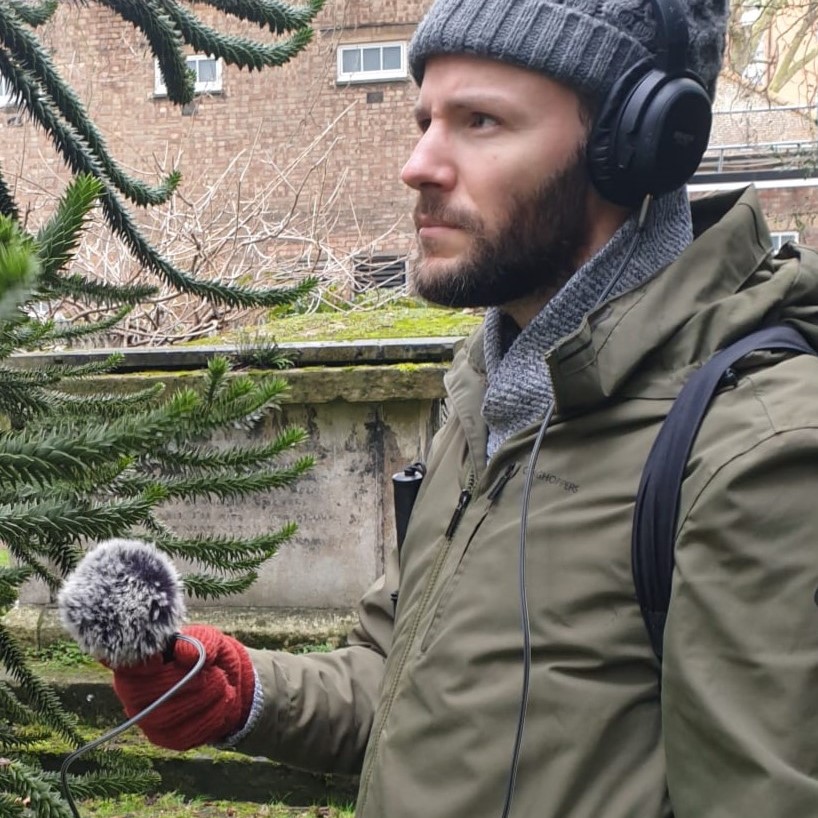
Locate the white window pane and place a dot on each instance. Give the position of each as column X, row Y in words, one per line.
column 207, row 70
column 372, row 59
column 351, row 60
column 391, row 58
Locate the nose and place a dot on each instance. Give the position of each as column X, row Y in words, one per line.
column 430, row 163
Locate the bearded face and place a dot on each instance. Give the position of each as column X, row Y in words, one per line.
column 529, row 251
column 505, row 209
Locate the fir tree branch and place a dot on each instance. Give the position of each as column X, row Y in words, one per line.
column 104, row 405
column 11, row 807
column 228, row 486
column 207, row 586
column 220, row 552
column 177, row 459
column 20, row 332
column 8, row 207
column 58, row 239
column 18, row 376
column 81, row 160
column 13, row 709
column 278, row 17
column 34, row 15
column 23, row 523
column 92, row 291
column 218, row 368
column 10, row 581
column 234, row 50
column 19, row 267
column 41, row 459
column 55, row 334
column 22, row 404
column 243, row 399
column 164, row 41
column 107, row 785
column 40, row 696
column 40, row 799
column 30, row 55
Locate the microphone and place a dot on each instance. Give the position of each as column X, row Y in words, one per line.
column 123, row 603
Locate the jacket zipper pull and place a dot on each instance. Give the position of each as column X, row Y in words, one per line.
column 462, row 502
column 502, row 482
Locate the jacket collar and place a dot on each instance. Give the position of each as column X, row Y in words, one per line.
column 659, row 330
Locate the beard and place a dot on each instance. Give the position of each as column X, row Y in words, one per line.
column 531, row 252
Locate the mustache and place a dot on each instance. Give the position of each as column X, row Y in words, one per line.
column 431, row 206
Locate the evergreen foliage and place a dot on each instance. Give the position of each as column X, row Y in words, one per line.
column 75, row 468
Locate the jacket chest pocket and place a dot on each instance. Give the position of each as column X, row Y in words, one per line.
column 447, row 581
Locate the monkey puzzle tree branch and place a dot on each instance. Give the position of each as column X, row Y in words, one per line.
column 29, row 54
column 278, row 17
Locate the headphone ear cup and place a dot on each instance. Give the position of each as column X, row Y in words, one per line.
column 669, row 138
column 649, row 137
column 606, row 176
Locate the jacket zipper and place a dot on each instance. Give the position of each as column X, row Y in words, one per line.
column 437, row 567
column 502, row 482
column 462, row 502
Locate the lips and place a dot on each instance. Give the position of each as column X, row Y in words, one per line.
column 427, row 222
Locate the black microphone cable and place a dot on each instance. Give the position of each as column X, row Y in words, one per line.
column 529, row 481
column 132, row 721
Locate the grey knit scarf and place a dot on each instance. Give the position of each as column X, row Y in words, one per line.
column 519, row 388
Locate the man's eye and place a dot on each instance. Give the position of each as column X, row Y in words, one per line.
column 480, row 120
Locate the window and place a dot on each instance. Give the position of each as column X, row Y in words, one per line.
column 781, row 238
column 6, row 94
column 372, row 62
column 208, row 71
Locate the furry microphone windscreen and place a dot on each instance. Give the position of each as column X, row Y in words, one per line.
column 123, row 603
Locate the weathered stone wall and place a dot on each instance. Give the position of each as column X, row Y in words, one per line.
column 365, row 423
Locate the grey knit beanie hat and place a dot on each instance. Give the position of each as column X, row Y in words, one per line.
column 587, row 44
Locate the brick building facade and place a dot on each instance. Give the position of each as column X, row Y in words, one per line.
column 311, row 151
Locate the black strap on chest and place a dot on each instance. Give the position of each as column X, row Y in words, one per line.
column 657, row 502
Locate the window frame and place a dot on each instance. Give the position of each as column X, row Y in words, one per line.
column 383, row 75
column 8, row 98
column 214, row 87
column 780, row 237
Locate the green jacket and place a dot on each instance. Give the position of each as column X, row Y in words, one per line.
column 428, row 700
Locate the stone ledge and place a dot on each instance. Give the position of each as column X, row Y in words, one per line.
column 306, row 353
column 273, row 628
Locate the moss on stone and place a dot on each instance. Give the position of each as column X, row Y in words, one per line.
column 357, row 325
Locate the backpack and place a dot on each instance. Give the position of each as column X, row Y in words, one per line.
column 657, row 501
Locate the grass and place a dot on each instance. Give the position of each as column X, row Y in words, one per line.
column 171, row 805
column 60, row 655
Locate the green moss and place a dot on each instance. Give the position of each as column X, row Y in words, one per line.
column 361, row 325
column 171, row 805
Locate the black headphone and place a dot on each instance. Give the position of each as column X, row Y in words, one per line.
column 652, row 129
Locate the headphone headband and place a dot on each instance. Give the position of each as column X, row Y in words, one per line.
column 671, row 38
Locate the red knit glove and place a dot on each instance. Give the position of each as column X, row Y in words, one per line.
column 211, row 706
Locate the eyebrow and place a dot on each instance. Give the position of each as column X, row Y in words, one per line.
column 468, row 101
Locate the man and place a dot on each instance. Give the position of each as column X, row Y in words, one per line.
column 426, row 700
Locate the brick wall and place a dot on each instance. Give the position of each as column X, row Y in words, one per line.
column 793, row 209
column 273, row 132
column 289, row 139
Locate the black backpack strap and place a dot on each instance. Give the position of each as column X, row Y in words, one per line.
column 657, row 502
